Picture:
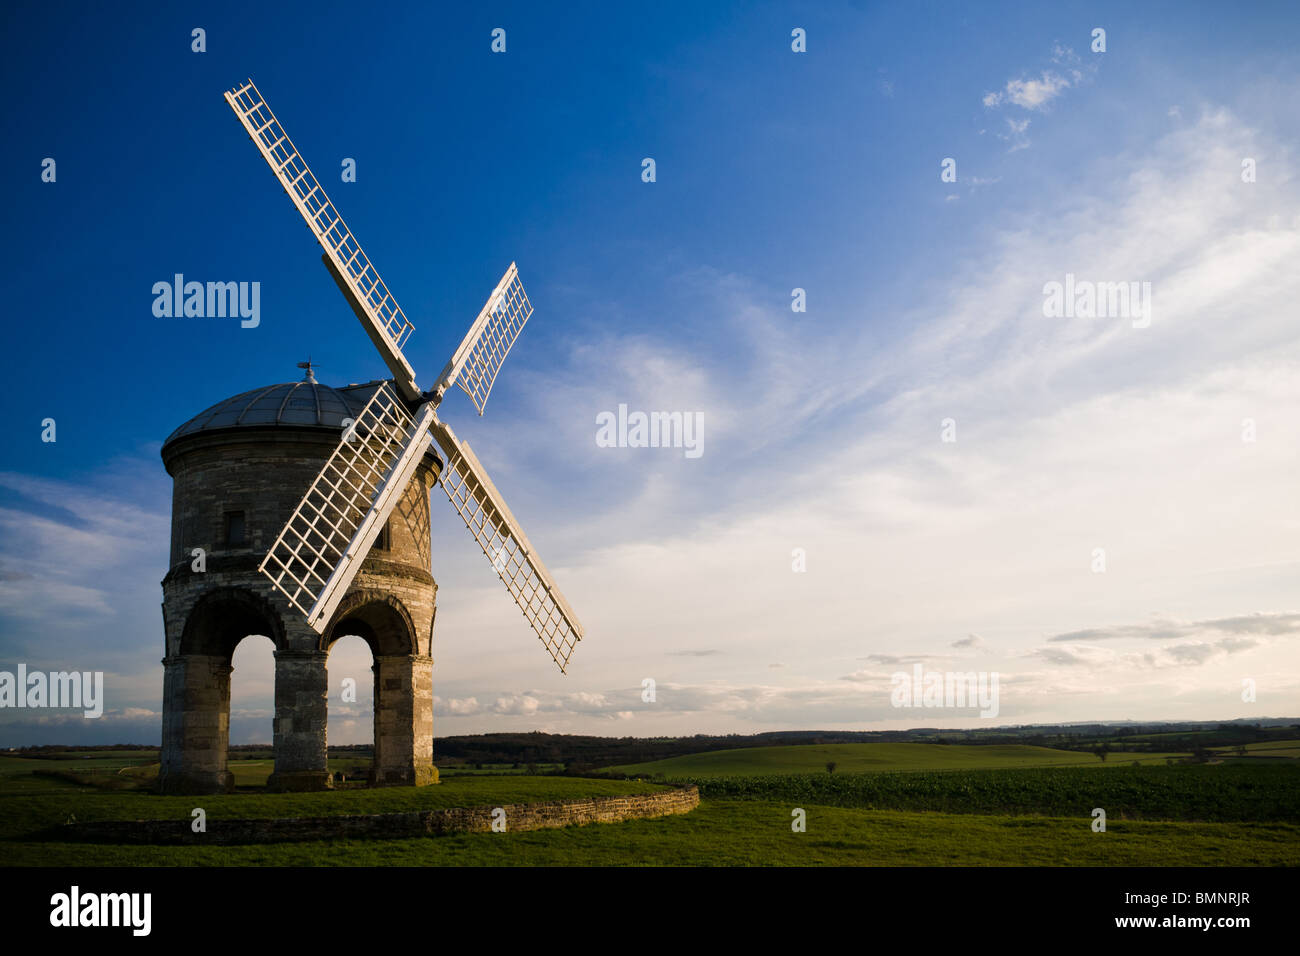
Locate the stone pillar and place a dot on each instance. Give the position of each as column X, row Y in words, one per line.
column 301, row 688
column 403, row 721
column 196, row 725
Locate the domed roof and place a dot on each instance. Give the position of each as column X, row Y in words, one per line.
column 305, row 404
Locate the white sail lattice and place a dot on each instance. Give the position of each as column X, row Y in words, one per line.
column 486, row 515
column 342, row 512
column 475, row 364
column 389, row 327
column 320, row 549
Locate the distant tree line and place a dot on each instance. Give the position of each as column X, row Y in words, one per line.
column 578, row 753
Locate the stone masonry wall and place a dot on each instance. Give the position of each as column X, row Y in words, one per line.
column 265, row 475
column 264, row 472
column 518, row 817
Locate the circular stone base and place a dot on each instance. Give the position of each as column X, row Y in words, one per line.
column 299, row 782
column 406, row 777
column 511, row 818
column 196, row 783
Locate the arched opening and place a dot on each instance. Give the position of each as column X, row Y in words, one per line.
column 378, row 619
column 402, row 685
column 197, row 689
column 221, row 619
column 351, row 720
column 252, row 710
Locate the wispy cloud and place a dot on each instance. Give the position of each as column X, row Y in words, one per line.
column 1016, row 134
column 1036, row 93
column 1186, row 653
column 1163, row 629
column 1030, row 94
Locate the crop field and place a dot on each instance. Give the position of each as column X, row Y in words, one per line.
column 1231, row 793
column 856, row 758
column 1244, row 813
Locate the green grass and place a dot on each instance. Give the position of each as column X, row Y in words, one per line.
column 752, row 833
column 453, row 770
column 1274, row 748
column 255, row 772
column 1194, row 792
column 22, row 812
column 10, row 765
column 1247, row 816
column 855, row 758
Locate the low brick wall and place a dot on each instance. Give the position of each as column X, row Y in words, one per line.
column 383, row 826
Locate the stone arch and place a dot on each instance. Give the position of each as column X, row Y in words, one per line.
column 196, row 687
column 403, row 685
column 378, row 618
column 223, row 617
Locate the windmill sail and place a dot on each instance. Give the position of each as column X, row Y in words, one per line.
column 320, row 549
column 329, row 534
column 382, row 318
column 474, row 365
column 488, row 518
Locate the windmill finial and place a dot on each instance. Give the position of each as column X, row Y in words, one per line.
column 311, row 375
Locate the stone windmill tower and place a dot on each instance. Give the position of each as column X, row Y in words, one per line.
column 352, row 556
column 238, row 470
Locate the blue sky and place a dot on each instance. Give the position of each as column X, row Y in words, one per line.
column 775, row 170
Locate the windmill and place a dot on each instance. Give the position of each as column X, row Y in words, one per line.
column 329, row 534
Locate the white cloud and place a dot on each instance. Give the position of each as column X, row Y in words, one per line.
column 65, row 544
column 1064, row 54
column 1016, row 134
column 456, row 707
column 516, row 705
column 1030, row 94
column 1158, row 628
column 1036, row 94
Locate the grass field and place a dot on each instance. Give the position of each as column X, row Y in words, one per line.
column 743, row 832
column 857, row 758
column 1289, row 749
column 256, row 771
column 1245, row 815
column 1230, row 793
